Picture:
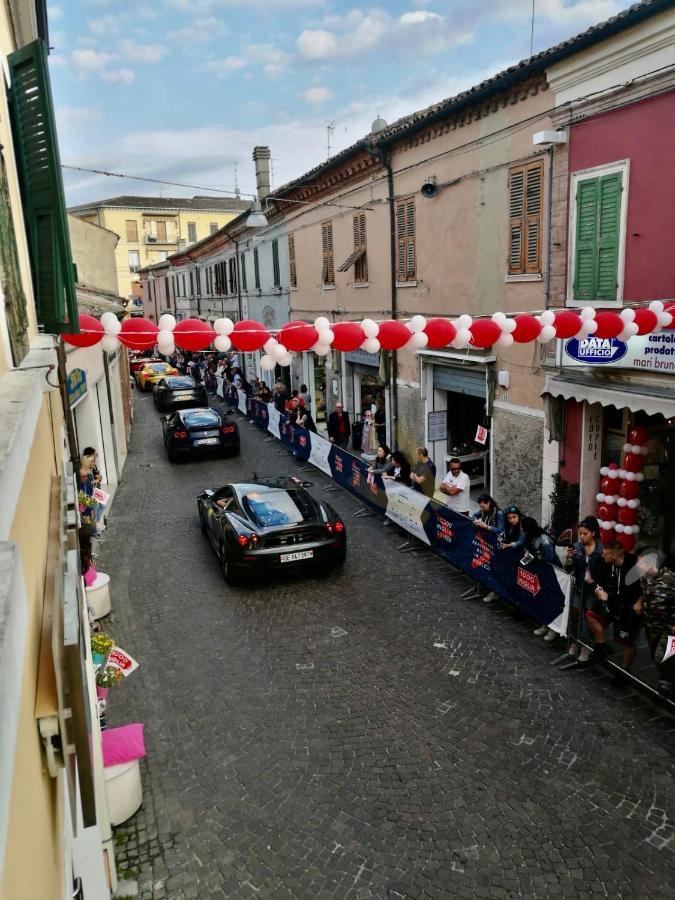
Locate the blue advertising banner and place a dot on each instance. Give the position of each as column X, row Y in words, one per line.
column 540, row 590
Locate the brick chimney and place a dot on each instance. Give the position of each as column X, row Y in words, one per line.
column 261, row 158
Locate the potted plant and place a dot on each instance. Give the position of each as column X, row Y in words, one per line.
column 101, row 645
column 107, row 677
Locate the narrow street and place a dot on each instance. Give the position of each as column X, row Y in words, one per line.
column 367, row 735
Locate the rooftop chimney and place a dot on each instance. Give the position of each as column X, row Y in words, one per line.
column 261, row 158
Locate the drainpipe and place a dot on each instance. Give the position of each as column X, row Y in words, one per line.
column 106, row 370
column 549, row 217
column 236, row 269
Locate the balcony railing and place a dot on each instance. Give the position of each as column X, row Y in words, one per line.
column 153, row 239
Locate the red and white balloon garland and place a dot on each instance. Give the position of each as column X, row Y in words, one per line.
column 618, row 500
column 392, row 334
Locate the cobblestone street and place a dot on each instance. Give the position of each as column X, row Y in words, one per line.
column 367, row 735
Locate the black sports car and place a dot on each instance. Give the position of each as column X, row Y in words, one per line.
column 179, row 392
column 271, row 526
column 199, row 430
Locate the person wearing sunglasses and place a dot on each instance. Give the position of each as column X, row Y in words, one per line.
column 456, row 486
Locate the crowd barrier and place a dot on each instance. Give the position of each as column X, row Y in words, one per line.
column 539, row 589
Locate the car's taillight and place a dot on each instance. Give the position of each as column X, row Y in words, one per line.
column 339, row 526
column 180, row 435
column 334, row 527
column 228, row 429
column 248, row 540
column 242, row 540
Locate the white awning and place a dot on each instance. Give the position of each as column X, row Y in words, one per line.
column 647, row 398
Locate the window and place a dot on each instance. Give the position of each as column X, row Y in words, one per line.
column 192, row 232
column 184, row 288
column 276, row 270
column 357, row 257
column 406, row 250
column 39, row 171
column 198, row 279
column 213, row 227
column 232, row 265
column 223, row 276
column 328, row 268
column 166, row 290
column 242, row 263
column 134, row 260
column 596, row 236
column 526, row 186
column 161, row 232
column 192, row 286
column 132, row 231
column 256, row 268
column 291, row 261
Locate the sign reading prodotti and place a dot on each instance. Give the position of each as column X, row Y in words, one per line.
column 76, row 386
column 651, row 352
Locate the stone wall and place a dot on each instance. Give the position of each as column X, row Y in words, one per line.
column 411, row 429
column 518, row 458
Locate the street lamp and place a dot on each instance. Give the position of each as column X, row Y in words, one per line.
column 256, row 217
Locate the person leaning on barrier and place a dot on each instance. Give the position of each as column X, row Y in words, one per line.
column 489, row 517
column 383, row 464
column 457, row 485
column 537, row 543
column 588, row 571
column 401, row 469
column 620, row 590
column 424, row 473
column 657, row 608
column 514, row 536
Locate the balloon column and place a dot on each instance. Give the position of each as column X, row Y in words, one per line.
column 618, row 500
column 461, row 333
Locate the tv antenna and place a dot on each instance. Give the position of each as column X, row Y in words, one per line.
column 330, row 130
column 532, row 30
column 237, row 195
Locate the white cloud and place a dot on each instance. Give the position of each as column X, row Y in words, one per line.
column 105, row 25
column 146, row 53
column 227, row 65
column 271, row 58
column 121, row 76
column 56, row 59
column 54, row 12
column 90, row 60
column 199, row 31
column 316, row 95
column 72, row 115
column 419, row 17
column 317, row 44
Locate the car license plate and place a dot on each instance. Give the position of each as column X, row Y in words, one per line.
column 184, row 394
column 207, row 441
column 293, row 557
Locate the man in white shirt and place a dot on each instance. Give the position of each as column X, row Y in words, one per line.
column 456, row 486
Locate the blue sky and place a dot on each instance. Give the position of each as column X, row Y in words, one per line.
column 183, row 89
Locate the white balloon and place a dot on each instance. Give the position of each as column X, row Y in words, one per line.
column 270, row 344
column 371, row 345
column 167, row 322
column 463, row 323
column 164, row 337
column 109, row 343
column 604, row 470
column 546, row 334
column 628, row 315
column 632, row 504
column 321, row 323
column 636, row 448
column 619, row 528
column 600, row 498
column 326, row 336
column 628, row 476
column 418, row 341
column 286, row 359
column 322, row 349
column 613, row 473
column 665, row 319
column 223, row 326
column 610, row 499
column 417, row 323
column 639, row 476
column 629, row 331
column 627, row 529
column 266, row 363
column 462, row 339
column 587, row 312
column 605, row 525
column 504, row 340
column 589, row 326
column 499, row 318
column 222, row 343
column 636, row 529
column 657, row 306
column 626, row 448
column 547, row 318
column 278, row 351
column 510, row 326
column 370, row 328
column 111, row 324
column 622, row 502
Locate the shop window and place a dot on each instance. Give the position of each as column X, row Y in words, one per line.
column 526, row 185
column 328, row 266
column 406, row 241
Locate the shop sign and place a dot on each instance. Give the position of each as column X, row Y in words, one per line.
column 649, row 352
column 437, row 425
column 366, row 359
column 76, row 386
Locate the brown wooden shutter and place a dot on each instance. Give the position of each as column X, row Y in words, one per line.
column 406, row 249
column 161, row 231
column 291, row 261
column 526, row 201
column 328, row 270
column 132, row 231
column 516, row 207
column 361, row 264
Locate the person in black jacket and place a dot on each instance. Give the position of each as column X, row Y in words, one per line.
column 617, row 595
column 338, row 426
column 401, row 470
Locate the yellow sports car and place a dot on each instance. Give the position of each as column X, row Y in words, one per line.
column 150, row 374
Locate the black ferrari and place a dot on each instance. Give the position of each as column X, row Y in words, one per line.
column 271, row 526
column 179, row 392
column 199, row 431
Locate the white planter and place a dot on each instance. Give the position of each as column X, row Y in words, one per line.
column 123, row 790
column 98, row 596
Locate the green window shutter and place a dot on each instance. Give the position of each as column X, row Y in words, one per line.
column 609, row 227
column 585, row 266
column 39, row 165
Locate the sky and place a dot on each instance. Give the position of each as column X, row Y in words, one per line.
column 182, row 90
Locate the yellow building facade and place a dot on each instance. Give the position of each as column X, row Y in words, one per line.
column 152, row 228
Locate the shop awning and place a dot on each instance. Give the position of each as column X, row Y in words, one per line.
column 351, row 259
column 650, row 399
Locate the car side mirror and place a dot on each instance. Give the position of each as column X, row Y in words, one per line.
column 208, row 492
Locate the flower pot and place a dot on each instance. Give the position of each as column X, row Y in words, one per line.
column 101, row 692
column 98, row 658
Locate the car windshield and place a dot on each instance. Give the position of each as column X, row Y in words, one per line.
column 180, row 382
column 160, row 367
column 201, row 417
column 277, row 507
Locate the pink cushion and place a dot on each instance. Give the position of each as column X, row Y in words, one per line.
column 90, row 576
column 123, row 744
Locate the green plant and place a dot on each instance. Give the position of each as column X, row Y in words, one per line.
column 108, row 677
column 101, row 643
column 564, row 505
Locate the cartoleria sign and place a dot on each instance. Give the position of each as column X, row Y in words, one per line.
column 651, row 352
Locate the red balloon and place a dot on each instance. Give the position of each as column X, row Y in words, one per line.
column 627, row 541
column 348, row 336
column 567, row 323
column 440, row 332
column 298, row 336
column 610, row 325
column 393, row 335
column 604, row 512
column 638, row 434
column 613, row 466
column 670, row 308
column 193, row 334
column 633, row 462
column 527, row 329
column 91, row 332
column 646, row 321
column 138, row 334
column 484, row 332
column 248, row 335
column 627, row 516
column 607, row 485
column 630, row 490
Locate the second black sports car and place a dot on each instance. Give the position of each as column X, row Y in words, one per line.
column 179, row 392
column 197, row 431
column 271, row 526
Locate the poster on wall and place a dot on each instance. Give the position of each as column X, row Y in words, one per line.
column 646, row 353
